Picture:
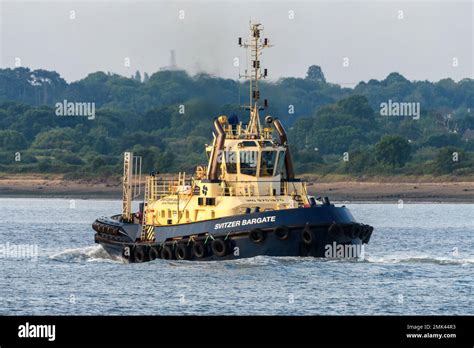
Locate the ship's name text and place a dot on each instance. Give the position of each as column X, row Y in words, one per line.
column 245, row 222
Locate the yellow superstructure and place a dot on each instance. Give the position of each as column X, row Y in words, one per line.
column 251, row 176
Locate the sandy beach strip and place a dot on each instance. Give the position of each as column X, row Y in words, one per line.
column 345, row 191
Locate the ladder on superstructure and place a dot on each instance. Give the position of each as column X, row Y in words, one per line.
column 146, row 230
column 131, row 183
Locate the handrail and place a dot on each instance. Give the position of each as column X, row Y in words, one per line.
column 250, row 190
column 158, row 187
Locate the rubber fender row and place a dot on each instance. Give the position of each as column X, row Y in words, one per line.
column 181, row 250
column 353, row 230
column 104, row 228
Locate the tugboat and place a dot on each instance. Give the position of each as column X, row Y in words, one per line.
column 246, row 202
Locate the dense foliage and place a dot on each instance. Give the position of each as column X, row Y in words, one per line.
column 167, row 118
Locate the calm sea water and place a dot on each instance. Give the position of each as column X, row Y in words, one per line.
column 420, row 260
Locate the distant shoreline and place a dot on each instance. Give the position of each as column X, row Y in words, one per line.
column 447, row 192
column 38, row 186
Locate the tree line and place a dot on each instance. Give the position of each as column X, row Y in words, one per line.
column 167, row 118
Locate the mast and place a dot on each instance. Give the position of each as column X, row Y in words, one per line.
column 256, row 45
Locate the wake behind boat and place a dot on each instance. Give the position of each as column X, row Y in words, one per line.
column 245, row 202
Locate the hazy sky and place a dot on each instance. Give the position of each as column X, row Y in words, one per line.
column 422, row 45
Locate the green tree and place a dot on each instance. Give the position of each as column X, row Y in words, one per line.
column 393, row 150
column 315, row 73
column 138, row 76
column 170, row 116
column 444, row 139
column 98, row 164
column 357, row 106
column 69, row 158
column 359, row 161
column 337, row 140
column 12, row 140
column 58, row 138
column 448, row 159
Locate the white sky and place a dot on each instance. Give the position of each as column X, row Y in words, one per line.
column 420, row 46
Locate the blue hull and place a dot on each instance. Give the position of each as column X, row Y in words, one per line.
column 289, row 232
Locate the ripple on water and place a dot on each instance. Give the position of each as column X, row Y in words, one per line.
column 422, row 259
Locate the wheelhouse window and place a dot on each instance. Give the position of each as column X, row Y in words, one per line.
column 248, row 143
column 281, row 163
column 267, row 163
column 231, row 162
column 248, row 162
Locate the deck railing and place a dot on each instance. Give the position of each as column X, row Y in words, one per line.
column 252, row 188
column 159, row 187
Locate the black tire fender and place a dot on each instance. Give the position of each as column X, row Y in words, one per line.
column 219, row 247
column 182, row 252
column 167, row 253
column 354, row 231
column 257, row 235
column 139, row 254
column 366, row 233
column 334, row 230
column 153, row 253
column 199, row 249
column 307, row 236
column 282, row 232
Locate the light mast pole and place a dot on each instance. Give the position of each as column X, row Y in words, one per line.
column 256, row 46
